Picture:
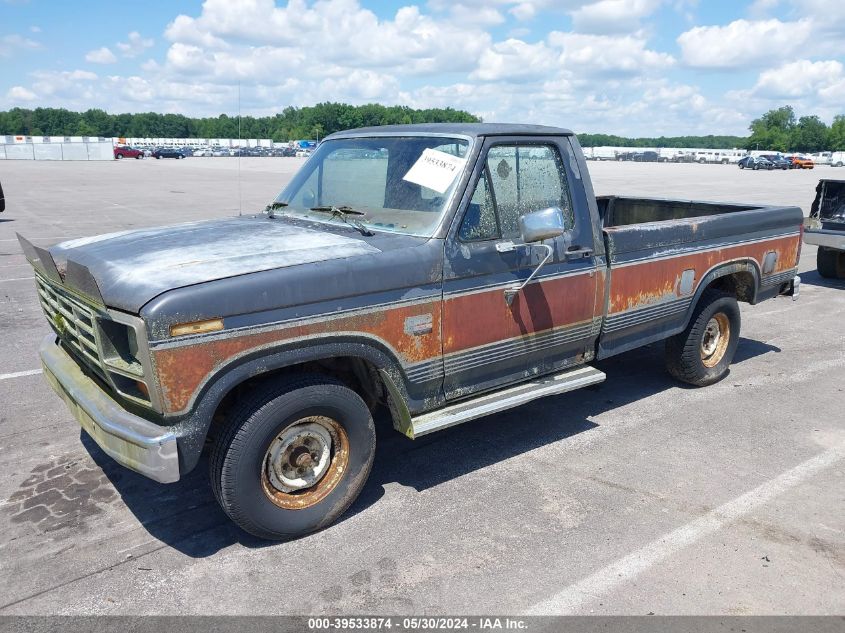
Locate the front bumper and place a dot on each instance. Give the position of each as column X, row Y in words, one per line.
column 130, row 440
column 824, row 237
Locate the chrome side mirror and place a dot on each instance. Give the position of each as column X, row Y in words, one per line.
column 542, row 225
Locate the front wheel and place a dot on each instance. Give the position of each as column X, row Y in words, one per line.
column 294, row 456
column 702, row 353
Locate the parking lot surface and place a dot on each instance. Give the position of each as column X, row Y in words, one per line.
column 638, row 496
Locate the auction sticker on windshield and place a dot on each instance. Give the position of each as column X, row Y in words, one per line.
column 435, row 170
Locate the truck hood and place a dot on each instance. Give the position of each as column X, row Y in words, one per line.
column 133, row 267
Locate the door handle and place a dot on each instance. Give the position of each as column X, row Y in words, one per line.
column 576, row 252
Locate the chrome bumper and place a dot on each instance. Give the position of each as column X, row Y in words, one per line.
column 822, row 237
column 130, row 440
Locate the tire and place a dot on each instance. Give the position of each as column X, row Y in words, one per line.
column 118, row 156
column 756, row 167
column 158, row 157
column 742, row 166
column 259, row 429
column 693, row 356
column 139, row 157
column 830, row 263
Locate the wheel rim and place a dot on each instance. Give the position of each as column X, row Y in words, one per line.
column 305, row 462
column 715, row 340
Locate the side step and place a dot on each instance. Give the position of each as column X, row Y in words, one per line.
column 489, row 403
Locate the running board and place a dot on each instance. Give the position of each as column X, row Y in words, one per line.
column 509, row 398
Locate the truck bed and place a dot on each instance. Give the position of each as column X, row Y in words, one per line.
column 661, row 253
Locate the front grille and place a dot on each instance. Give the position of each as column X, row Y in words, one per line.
column 73, row 322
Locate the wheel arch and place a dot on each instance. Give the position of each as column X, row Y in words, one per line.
column 739, row 278
column 367, row 366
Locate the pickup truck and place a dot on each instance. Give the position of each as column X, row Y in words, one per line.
column 443, row 271
column 825, row 228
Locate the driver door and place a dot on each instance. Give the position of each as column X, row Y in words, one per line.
column 551, row 323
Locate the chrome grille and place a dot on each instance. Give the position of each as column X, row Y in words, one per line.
column 74, row 322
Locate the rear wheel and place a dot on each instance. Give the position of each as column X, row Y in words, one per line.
column 295, row 456
column 702, row 353
column 830, row 263
column 118, row 156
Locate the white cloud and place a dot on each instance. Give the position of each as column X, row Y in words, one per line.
column 514, row 60
column 135, row 45
column 743, row 43
column 14, row 43
column 614, row 55
column 800, row 79
column 612, row 16
column 19, row 93
column 101, row 56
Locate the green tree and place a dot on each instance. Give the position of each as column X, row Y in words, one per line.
column 836, row 134
column 773, row 130
column 809, row 135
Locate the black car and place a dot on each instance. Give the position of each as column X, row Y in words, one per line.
column 755, row 162
column 779, row 162
column 646, row 157
column 162, row 152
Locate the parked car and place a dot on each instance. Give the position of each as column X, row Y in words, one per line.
column 801, row 162
column 755, row 162
column 825, row 228
column 164, row 152
column 778, row 161
column 288, row 328
column 646, row 157
column 127, row 152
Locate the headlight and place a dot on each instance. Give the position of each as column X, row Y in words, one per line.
column 121, row 360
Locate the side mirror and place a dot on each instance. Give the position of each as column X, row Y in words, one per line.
column 542, row 225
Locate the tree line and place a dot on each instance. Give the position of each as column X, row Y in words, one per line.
column 291, row 123
column 776, row 130
column 710, row 141
column 780, row 130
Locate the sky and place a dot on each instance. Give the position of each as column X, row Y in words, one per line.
column 629, row 67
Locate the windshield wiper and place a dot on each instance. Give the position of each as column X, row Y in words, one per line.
column 271, row 208
column 343, row 213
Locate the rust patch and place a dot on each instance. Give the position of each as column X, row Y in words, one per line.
column 182, row 370
column 485, row 317
column 653, row 281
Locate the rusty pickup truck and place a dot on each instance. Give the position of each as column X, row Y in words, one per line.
column 445, row 272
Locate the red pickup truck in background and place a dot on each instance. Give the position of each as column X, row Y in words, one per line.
column 127, row 152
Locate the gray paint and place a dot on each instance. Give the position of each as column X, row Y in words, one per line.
column 133, row 267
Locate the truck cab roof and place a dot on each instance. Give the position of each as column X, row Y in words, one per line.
column 472, row 130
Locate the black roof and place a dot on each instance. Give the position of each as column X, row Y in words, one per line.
column 465, row 129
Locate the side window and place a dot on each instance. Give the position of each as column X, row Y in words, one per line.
column 523, row 179
column 480, row 218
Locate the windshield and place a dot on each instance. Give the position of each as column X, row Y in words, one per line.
column 401, row 184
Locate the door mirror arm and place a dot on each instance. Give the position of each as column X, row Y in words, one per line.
column 511, row 292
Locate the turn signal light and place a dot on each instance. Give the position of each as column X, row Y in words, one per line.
column 196, row 327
